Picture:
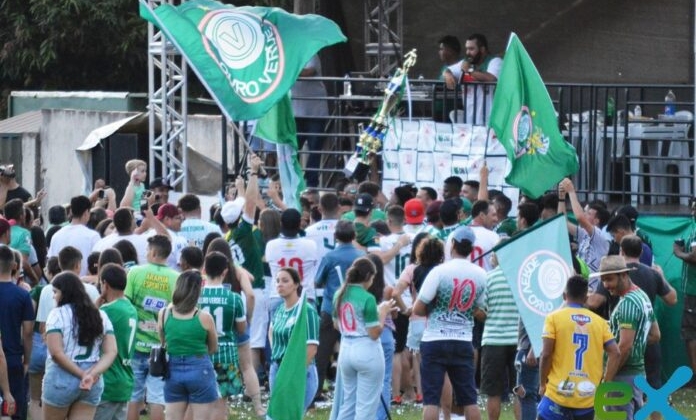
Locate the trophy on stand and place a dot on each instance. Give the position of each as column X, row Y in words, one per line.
column 372, row 137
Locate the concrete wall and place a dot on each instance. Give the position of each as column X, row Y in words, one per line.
column 63, row 131
column 598, row 41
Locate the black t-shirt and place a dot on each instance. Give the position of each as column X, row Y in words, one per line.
column 18, row 192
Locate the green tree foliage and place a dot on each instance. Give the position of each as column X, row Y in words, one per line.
column 72, row 45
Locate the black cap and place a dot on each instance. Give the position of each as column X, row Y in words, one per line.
column 160, row 183
column 363, row 202
column 290, row 222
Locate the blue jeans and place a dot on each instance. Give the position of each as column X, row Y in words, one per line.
column 387, row 340
column 528, row 377
column 312, row 382
column 191, row 379
column 62, row 389
column 361, row 361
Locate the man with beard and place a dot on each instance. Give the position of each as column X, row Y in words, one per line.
column 478, row 66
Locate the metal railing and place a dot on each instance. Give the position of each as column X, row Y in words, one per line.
column 616, row 162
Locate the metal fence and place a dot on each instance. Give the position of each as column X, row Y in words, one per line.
column 624, row 158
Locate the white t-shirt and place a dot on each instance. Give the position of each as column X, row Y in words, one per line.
column 178, row 243
column 47, row 303
column 322, row 233
column 394, row 267
column 482, row 99
column 138, row 241
column 486, row 239
column 78, row 236
column 298, row 253
column 61, row 320
column 195, row 231
column 455, row 287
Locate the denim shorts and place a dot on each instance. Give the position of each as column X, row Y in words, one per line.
column 62, row 389
column 454, row 357
column 142, row 380
column 192, row 380
column 37, row 364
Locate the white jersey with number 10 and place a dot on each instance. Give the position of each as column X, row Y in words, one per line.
column 298, row 253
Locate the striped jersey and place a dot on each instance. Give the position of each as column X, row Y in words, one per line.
column 502, row 317
column 634, row 312
column 227, row 309
column 61, row 321
column 282, row 324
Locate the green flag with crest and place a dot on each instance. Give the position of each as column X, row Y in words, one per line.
column 248, row 57
column 524, row 120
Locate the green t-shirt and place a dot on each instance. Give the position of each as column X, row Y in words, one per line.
column 377, row 214
column 118, row 379
column 150, row 289
column 635, row 312
column 20, row 239
column 137, row 196
column 246, row 251
column 282, row 324
column 227, row 309
column 357, row 311
column 365, row 235
column 507, row 227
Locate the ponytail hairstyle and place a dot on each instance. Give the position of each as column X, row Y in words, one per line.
column 295, row 278
column 85, row 315
column 361, row 271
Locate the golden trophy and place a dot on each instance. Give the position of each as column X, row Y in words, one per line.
column 371, row 138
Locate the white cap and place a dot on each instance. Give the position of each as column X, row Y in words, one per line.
column 232, row 210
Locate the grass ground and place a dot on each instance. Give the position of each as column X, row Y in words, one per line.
column 684, row 401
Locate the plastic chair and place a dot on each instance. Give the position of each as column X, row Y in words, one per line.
column 680, row 151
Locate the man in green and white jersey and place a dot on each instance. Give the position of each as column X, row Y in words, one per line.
column 633, row 324
column 230, row 319
column 118, row 380
column 149, row 288
column 322, row 232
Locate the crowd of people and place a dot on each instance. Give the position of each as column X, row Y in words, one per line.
column 402, row 295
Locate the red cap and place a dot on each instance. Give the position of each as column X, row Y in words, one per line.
column 414, row 211
column 167, row 210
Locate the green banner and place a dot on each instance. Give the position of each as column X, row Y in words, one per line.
column 663, row 230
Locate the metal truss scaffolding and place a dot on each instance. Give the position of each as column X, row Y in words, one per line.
column 167, row 106
column 383, row 36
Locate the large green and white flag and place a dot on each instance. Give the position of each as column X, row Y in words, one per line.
column 537, row 264
column 288, row 393
column 278, row 126
column 248, row 57
column 524, row 120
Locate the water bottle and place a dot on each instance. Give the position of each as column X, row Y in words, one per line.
column 670, row 99
column 347, row 88
column 611, row 110
column 637, row 112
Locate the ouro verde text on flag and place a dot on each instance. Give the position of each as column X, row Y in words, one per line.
column 248, row 57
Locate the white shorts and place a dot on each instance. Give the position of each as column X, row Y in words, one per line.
column 258, row 331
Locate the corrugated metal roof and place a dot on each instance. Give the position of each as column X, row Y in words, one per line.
column 28, row 122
